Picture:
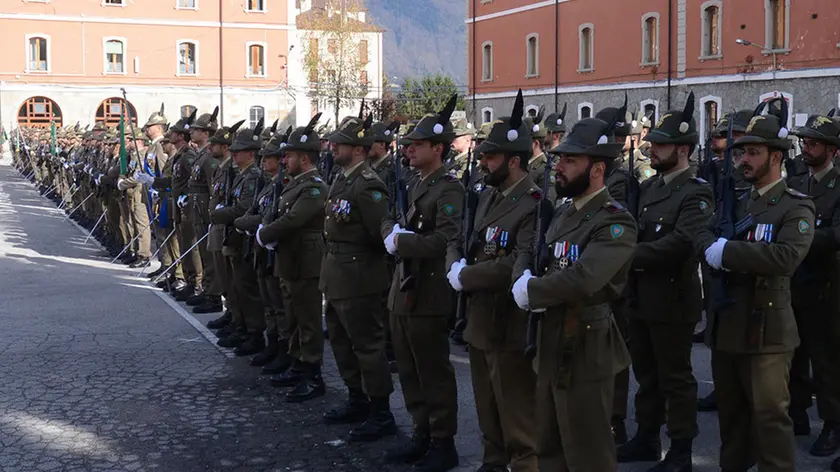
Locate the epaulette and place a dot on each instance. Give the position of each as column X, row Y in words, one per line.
column 450, row 178
column 699, row 180
column 535, row 192
column 317, row 179
column 797, row 194
column 368, row 174
column 613, row 207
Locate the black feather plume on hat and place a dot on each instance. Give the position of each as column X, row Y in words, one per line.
column 161, row 108
column 518, row 111
column 368, row 122
column 688, row 111
column 191, row 118
column 760, row 108
column 540, row 115
column 446, row 113
column 312, row 123
column 215, row 114
column 563, row 113
column 831, row 113
column 274, row 126
column 393, row 126
column 362, row 109
column 235, row 125
column 259, row 128
column 621, row 114
column 286, row 134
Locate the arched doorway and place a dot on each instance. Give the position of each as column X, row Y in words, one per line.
column 110, row 109
column 38, row 112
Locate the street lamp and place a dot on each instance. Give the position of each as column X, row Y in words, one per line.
column 744, row 42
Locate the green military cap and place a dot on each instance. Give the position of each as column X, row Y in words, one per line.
column 483, row 131
column 157, row 118
column 676, row 126
column 740, row 121
column 248, row 139
column 535, row 124
column 436, row 127
column 100, row 126
column 591, row 137
column 224, row 135
column 462, row 127
column 820, row 127
column 207, row 121
column 305, row 138
column 269, row 132
column 620, row 116
column 509, row 133
column 383, row 132
column 639, row 123
column 556, row 122
column 405, row 130
column 647, row 122
column 353, row 131
column 768, row 129
column 183, row 125
column 277, row 144
column 139, row 135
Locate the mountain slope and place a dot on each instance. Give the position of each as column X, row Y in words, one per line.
column 422, row 37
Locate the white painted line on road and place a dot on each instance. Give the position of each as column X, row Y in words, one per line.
column 194, row 323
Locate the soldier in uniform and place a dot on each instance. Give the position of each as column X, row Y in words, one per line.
column 555, row 126
column 815, row 288
column 198, row 201
column 503, row 380
column 380, row 157
column 419, row 314
column 643, row 120
column 182, row 163
column 580, row 349
column 137, row 200
column 482, row 133
column 641, row 164
column 240, row 198
column 298, row 230
column 753, row 337
column 666, row 296
column 353, row 276
column 456, row 162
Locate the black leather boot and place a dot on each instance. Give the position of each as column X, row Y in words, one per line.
column 379, row 424
column 139, row 262
column 154, row 274
column 254, row 344
column 707, row 403
column 221, row 321
column 801, row 422
column 268, row 354
column 828, row 442
column 185, row 293
column 213, row 304
column 645, row 446
column 677, row 459
column 291, row 377
column 311, row 385
column 282, row 361
column 236, row 339
column 198, row 299
column 442, row 456
column 409, row 452
column 619, row 430
column 355, row 410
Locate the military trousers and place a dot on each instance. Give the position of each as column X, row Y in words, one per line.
column 421, row 348
column 277, row 325
column 819, row 351
column 303, row 302
column 244, row 284
column 208, row 261
column 140, row 221
column 357, row 336
column 126, row 228
column 661, row 354
column 114, row 218
column 753, row 400
column 169, row 249
column 222, row 277
column 622, row 379
column 191, row 263
column 504, row 385
column 575, row 434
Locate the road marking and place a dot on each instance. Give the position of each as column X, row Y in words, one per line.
column 195, row 324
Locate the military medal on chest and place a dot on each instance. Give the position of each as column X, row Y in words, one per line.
column 762, row 232
column 565, row 253
column 490, row 240
column 341, row 210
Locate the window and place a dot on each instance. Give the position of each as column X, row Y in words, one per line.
column 111, row 109
column 531, row 110
column 532, row 55
column 257, row 113
column 587, row 37
column 39, row 112
column 585, row 110
column 776, row 94
column 332, row 46
column 114, row 56
column 487, row 62
column 363, row 81
column 650, row 39
column 256, row 60
column 113, row 2
column 256, row 5
column 363, row 51
column 314, row 55
column 486, row 115
column 711, row 29
column 776, row 23
column 187, row 58
column 711, row 114
column 187, row 4
column 39, row 54
column 187, row 110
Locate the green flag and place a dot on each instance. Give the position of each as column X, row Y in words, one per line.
column 52, row 137
column 123, row 153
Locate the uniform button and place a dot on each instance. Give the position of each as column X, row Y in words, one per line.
column 354, row 258
column 770, row 304
column 588, row 327
column 328, row 218
column 433, row 274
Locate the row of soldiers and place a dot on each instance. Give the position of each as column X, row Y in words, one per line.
column 612, row 242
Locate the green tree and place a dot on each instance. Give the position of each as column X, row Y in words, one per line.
column 427, row 95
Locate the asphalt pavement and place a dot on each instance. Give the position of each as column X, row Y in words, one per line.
column 100, row 371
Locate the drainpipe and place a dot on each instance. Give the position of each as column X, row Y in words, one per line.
column 556, row 54
column 221, row 67
column 670, row 46
column 474, row 54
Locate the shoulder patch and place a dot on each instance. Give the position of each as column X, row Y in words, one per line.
column 377, row 196
column 803, row 226
column 704, row 207
column 314, row 192
column 616, row 231
column 535, row 192
column 448, row 209
column 797, row 194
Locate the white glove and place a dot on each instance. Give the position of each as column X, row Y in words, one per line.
column 144, row 178
column 97, row 179
column 219, row 206
column 259, row 241
column 454, row 274
column 714, row 254
column 520, row 290
column 122, row 185
column 155, row 195
column 390, row 240
column 182, row 201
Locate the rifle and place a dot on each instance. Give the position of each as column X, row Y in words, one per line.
column 275, row 197
column 248, row 243
column 467, row 226
column 329, row 163
column 229, row 198
column 544, row 214
column 401, row 212
column 633, row 187
column 726, row 226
